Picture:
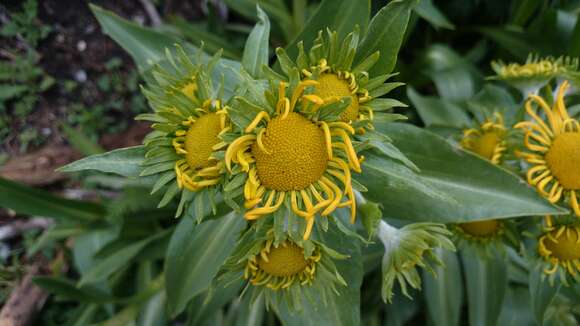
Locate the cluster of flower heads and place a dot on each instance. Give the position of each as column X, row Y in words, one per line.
column 550, row 148
column 281, row 151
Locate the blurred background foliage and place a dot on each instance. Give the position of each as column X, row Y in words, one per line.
column 67, row 90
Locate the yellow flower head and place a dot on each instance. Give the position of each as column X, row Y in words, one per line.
column 554, row 150
column 289, row 152
column 279, row 267
column 559, row 247
column 188, row 121
column 195, row 141
column 536, row 71
column 488, row 141
column 331, row 63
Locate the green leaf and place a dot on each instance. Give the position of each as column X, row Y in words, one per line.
column 205, row 305
column 250, row 313
column 80, row 141
column 256, row 49
column 122, row 161
column 455, row 77
column 542, row 294
column 428, row 11
column 145, row 45
column 342, row 308
column 36, row 202
column 385, row 34
column 516, row 309
column 339, row 15
column 68, row 290
column 486, row 282
column 117, row 260
column 211, row 42
column 126, row 316
column 87, row 245
column 438, row 111
column 444, row 293
column 453, row 185
column 195, row 255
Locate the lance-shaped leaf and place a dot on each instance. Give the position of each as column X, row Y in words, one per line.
column 452, row 185
column 256, row 49
column 194, row 256
column 31, row 201
column 124, row 161
column 486, row 281
column 385, row 34
column 444, row 292
column 339, row 15
column 147, row 46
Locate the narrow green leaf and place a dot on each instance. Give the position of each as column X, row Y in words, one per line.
column 486, row 282
column 118, row 259
column 444, row 293
column 385, row 34
column 68, row 290
column 438, row 111
column 453, row 185
column 428, row 11
column 542, row 294
column 256, row 49
column 122, row 161
column 81, row 142
column 517, row 307
column 145, row 45
column 195, row 255
column 36, row 202
column 339, row 15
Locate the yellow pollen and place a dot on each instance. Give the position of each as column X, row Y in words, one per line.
column 284, row 261
column 333, row 87
column 567, row 246
column 485, row 145
column 563, row 159
column 295, row 155
column 481, row 228
column 200, row 138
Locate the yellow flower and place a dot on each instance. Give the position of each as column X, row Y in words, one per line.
column 484, row 236
column 183, row 151
column 335, row 84
column 554, row 145
column 196, row 141
column 488, row 141
column 340, row 74
column 286, row 154
column 278, row 267
column 559, row 246
column 481, row 229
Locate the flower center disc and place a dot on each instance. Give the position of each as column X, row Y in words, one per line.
column 486, row 144
column 200, row 138
column 563, row 159
column 296, row 153
column 480, row 228
column 284, row 261
column 332, row 86
column 567, row 247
